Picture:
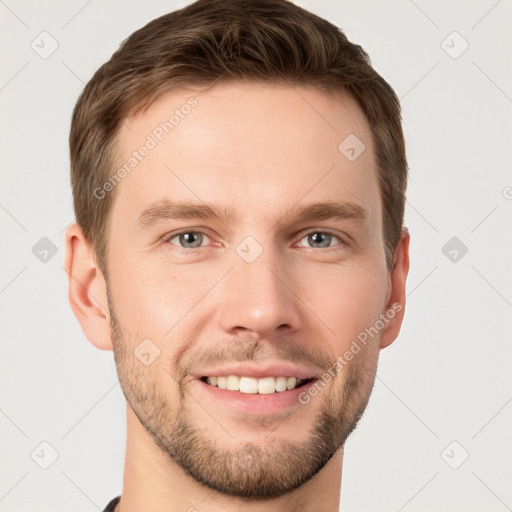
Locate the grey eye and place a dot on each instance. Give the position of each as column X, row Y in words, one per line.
column 320, row 239
column 189, row 239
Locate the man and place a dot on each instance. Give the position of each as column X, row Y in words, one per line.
column 239, row 176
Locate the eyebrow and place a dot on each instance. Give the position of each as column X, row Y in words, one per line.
column 180, row 210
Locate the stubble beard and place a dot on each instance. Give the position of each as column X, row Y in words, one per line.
column 245, row 470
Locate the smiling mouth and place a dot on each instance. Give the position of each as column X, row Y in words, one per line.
column 251, row 385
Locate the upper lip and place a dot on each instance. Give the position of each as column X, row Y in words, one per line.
column 259, row 371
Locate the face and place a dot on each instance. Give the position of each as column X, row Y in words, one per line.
column 245, row 256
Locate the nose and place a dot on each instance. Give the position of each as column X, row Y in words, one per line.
column 259, row 297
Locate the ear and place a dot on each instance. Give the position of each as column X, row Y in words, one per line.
column 395, row 306
column 87, row 289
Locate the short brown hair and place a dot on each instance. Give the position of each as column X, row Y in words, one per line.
column 271, row 41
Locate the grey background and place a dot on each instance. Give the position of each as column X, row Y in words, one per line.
column 446, row 378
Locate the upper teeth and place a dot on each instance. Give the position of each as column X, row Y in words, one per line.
column 263, row 386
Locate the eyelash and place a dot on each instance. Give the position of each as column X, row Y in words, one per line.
column 167, row 239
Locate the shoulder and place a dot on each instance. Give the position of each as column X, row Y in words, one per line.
column 111, row 506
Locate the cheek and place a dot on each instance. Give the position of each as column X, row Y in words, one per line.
column 346, row 300
column 151, row 297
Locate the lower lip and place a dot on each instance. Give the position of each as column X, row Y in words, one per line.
column 254, row 402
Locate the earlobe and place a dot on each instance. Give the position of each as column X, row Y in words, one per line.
column 87, row 289
column 395, row 306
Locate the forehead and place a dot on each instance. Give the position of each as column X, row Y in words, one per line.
column 256, row 148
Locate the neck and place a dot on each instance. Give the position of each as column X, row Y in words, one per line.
column 152, row 481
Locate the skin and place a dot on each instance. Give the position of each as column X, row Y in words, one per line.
column 261, row 151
